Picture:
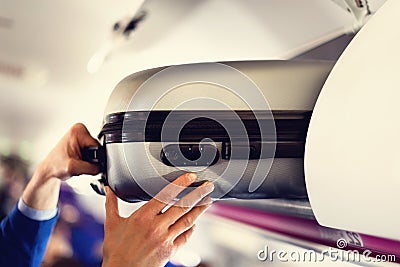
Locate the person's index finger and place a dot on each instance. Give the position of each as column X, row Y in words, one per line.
column 82, row 134
column 86, row 140
column 186, row 203
column 171, row 191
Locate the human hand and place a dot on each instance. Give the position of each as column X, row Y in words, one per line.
column 65, row 160
column 149, row 237
column 61, row 163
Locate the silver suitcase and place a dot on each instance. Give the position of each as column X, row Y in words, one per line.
column 241, row 125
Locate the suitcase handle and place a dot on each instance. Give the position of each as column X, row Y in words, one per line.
column 96, row 155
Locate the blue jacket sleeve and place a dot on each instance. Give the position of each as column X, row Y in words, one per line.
column 23, row 241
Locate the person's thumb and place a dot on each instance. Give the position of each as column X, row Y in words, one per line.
column 111, row 204
column 78, row 167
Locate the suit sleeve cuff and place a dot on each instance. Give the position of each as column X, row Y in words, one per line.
column 34, row 214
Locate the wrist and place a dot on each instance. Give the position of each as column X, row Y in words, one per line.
column 42, row 191
column 43, row 173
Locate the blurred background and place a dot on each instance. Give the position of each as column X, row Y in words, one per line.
column 59, row 61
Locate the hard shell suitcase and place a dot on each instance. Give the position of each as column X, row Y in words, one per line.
column 241, row 125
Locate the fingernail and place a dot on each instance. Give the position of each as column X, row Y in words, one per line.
column 192, row 177
column 208, row 186
column 207, row 201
